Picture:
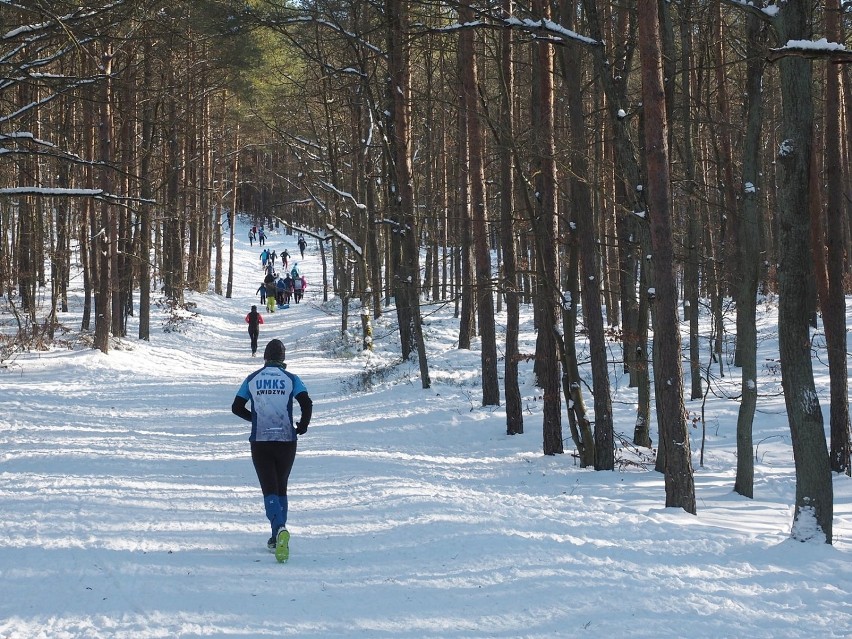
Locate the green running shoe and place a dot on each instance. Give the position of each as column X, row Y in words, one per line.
column 282, row 546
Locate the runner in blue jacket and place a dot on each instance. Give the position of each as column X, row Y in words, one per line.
column 271, row 391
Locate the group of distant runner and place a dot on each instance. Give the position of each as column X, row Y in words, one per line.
column 277, row 289
column 257, row 234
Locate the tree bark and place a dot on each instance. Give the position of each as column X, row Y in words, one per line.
column 467, row 300
column 572, row 384
column 146, row 150
column 814, row 491
column 232, row 211
column 514, row 414
column 749, row 239
column 834, row 308
column 668, row 375
column 613, row 74
column 583, row 215
column 479, row 223
column 401, row 182
column 690, row 212
column 107, row 233
column 545, row 226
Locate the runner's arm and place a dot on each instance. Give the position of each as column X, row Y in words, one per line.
column 239, row 409
column 306, row 405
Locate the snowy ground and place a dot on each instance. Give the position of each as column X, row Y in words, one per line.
column 130, row 505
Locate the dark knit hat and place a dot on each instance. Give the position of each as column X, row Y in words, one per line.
column 274, row 351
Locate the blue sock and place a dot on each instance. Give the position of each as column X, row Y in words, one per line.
column 274, row 512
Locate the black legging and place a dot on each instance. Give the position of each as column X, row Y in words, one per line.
column 272, row 463
column 253, row 333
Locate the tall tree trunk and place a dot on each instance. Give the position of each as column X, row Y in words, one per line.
column 846, row 112
column 220, row 176
column 467, row 299
column 545, row 226
column 479, row 224
column 693, row 248
column 572, row 384
column 362, row 126
column 583, row 215
column 26, row 227
column 205, row 183
column 61, row 258
column 668, row 375
column 146, row 148
column 834, row 308
column 814, row 492
column 232, row 211
column 514, row 414
column 88, row 222
column 107, row 239
column 749, row 238
column 402, row 186
column 173, row 280
column 729, row 272
column 121, row 230
column 374, row 252
column 642, row 427
column 632, row 231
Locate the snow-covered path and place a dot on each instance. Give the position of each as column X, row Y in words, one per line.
column 130, row 505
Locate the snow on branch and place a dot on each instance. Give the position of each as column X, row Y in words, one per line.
column 820, row 49
column 551, row 28
column 79, row 14
column 763, row 12
column 43, row 191
column 302, row 229
column 293, row 202
column 344, row 194
column 47, row 99
column 546, row 27
column 42, row 149
column 340, row 235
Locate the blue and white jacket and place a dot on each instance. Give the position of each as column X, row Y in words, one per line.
column 271, row 391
